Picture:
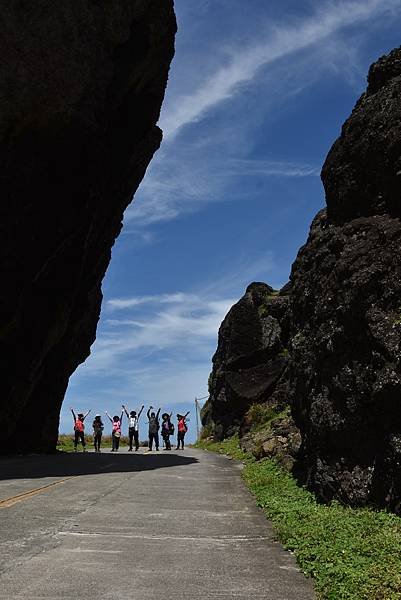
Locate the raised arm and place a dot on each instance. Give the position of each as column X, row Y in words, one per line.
column 157, row 414
column 186, row 414
column 139, row 414
column 87, row 413
column 121, row 417
column 148, row 413
column 108, row 415
column 125, row 410
column 73, row 415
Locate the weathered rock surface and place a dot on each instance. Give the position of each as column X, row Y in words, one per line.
column 341, row 323
column 250, row 360
column 278, row 438
column 346, row 309
column 82, row 84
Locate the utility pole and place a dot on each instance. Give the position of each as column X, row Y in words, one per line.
column 197, row 412
column 197, row 418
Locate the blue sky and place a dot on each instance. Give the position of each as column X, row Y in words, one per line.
column 257, row 94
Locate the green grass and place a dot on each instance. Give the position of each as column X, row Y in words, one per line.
column 66, row 442
column 352, row 554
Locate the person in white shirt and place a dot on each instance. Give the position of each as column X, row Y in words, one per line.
column 133, row 427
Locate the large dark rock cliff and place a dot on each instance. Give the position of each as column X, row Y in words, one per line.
column 342, row 323
column 81, row 86
column 346, row 308
column 250, row 360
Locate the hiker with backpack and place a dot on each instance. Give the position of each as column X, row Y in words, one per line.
column 79, row 429
column 182, row 429
column 133, row 427
column 97, row 432
column 154, row 427
column 116, row 431
column 167, row 430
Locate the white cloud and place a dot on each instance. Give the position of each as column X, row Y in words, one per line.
column 283, row 41
column 175, row 187
column 269, row 168
column 174, row 321
column 172, row 385
column 121, row 303
column 189, row 173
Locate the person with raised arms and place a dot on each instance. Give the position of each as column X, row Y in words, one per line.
column 79, row 428
column 133, row 427
column 181, row 430
column 116, row 431
column 167, row 429
column 154, row 427
column 97, row 432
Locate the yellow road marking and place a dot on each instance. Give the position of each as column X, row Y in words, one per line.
column 26, row 495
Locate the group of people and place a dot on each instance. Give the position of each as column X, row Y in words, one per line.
column 167, row 429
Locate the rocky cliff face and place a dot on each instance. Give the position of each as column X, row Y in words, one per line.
column 82, row 84
column 342, row 322
column 250, row 360
column 346, row 308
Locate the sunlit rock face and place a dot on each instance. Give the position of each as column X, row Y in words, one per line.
column 81, row 86
column 329, row 344
column 346, row 309
column 250, row 360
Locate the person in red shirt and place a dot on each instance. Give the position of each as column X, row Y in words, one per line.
column 181, row 430
column 79, row 429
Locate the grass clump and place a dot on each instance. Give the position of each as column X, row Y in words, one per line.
column 65, row 442
column 229, row 447
column 352, row 554
column 259, row 414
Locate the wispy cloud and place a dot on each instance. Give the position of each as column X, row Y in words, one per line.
column 282, row 42
column 269, row 168
column 174, row 187
column 123, row 303
column 155, row 324
column 193, row 171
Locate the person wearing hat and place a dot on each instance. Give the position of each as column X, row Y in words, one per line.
column 167, row 430
column 116, row 430
column 181, row 430
column 79, row 428
column 97, row 432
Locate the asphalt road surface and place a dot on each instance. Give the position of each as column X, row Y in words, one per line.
column 137, row 526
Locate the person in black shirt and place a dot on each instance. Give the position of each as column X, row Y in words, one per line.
column 97, row 432
column 154, row 427
column 167, row 430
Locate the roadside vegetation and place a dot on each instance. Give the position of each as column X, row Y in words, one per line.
column 352, row 554
column 66, row 442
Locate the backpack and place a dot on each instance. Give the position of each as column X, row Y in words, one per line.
column 171, row 429
column 117, row 428
column 97, row 427
column 79, row 426
column 154, row 425
column 182, row 426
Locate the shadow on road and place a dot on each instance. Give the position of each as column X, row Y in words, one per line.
column 65, row 465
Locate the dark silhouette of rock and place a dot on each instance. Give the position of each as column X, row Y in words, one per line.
column 250, row 360
column 82, row 83
column 346, row 309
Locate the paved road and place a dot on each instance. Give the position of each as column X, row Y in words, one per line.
column 137, row 527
